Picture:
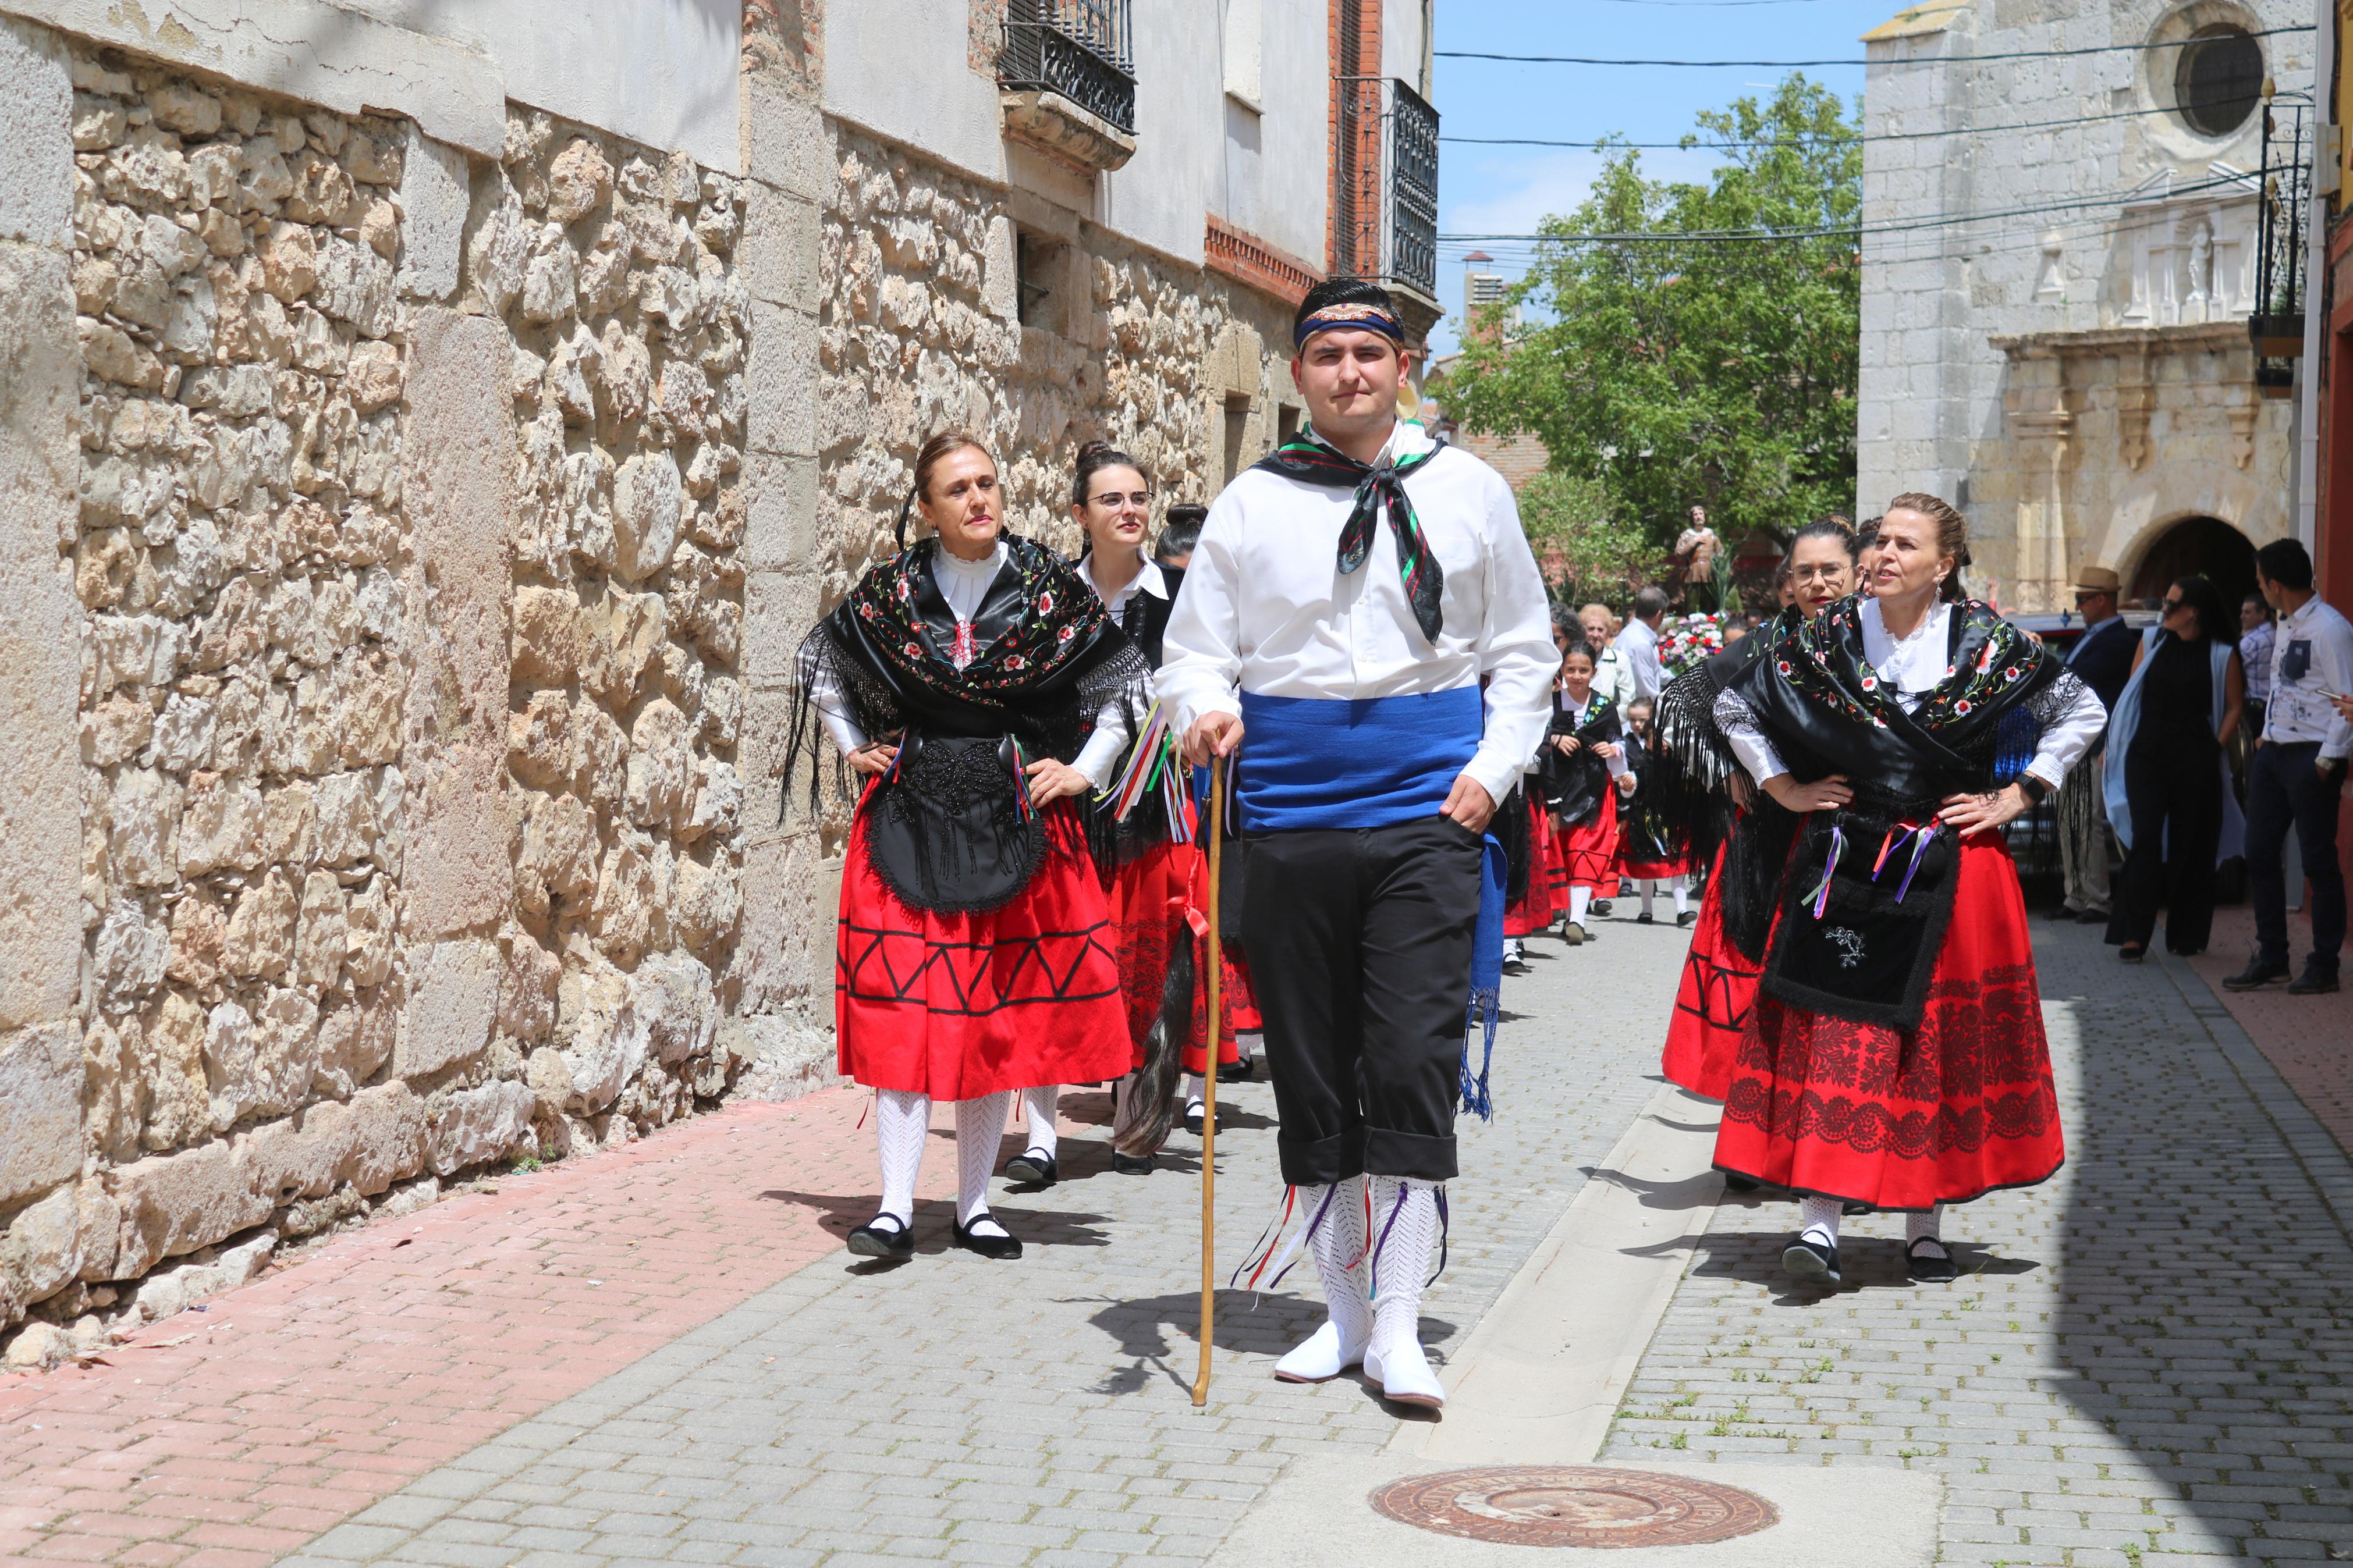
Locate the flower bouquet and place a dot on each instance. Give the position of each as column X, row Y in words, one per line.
column 1683, row 644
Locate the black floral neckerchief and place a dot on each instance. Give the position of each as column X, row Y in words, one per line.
column 1990, row 665
column 1027, row 630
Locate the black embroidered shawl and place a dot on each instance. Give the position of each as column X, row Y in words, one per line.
column 1573, row 785
column 1867, row 895
column 947, row 829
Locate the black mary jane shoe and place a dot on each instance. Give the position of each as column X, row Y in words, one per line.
column 875, row 1240
column 1237, row 1071
column 1929, row 1268
column 1644, row 921
column 1600, row 905
column 1034, row 1166
column 1195, row 1117
column 1810, row 1261
column 1688, row 917
column 1131, row 1164
column 997, row 1247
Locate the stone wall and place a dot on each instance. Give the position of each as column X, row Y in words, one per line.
column 406, row 589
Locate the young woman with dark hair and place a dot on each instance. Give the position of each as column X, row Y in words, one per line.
column 1896, row 1056
column 980, row 689
column 2168, row 775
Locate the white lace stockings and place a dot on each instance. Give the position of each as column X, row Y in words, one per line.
column 902, row 1120
column 1404, row 1224
column 1338, row 1245
column 1038, row 1110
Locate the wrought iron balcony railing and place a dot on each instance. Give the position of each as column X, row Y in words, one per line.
column 2277, row 325
column 1079, row 49
column 1386, row 217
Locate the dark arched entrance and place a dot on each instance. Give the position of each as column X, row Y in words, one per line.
column 2204, row 545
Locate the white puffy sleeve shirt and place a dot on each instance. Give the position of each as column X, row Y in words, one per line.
column 1265, row 608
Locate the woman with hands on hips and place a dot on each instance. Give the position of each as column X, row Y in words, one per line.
column 978, row 687
column 1895, row 1056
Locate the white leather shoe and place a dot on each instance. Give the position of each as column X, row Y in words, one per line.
column 1323, row 1357
column 1404, row 1376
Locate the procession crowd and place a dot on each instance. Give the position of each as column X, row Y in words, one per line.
column 1345, row 670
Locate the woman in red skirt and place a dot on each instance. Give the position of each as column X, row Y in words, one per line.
column 1896, row 1056
column 981, row 690
column 1145, row 815
column 1694, row 794
column 1585, row 772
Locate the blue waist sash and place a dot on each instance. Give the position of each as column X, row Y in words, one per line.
column 1309, row 762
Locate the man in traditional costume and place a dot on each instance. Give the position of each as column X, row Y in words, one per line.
column 1350, row 596
column 1896, row 1056
column 981, row 690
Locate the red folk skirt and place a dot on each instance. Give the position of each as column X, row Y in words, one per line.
column 1943, row 1113
column 1713, row 1001
column 1547, row 894
column 1589, row 848
column 958, row 1007
column 1149, row 899
column 1236, row 1000
column 1657, row 870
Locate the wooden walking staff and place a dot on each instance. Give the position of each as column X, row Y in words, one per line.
column 1211, row 1037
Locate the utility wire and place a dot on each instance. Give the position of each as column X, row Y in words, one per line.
column 1604, row 144
column 1920, row 60
column 1857, row 231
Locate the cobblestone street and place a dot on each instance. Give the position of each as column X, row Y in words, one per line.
column 2144, row 1358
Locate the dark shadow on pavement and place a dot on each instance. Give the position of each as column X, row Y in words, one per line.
column 1157, row 1334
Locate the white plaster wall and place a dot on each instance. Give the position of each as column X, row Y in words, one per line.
column 662, row 73
column 1292, row 196
column 1158, row 199
column 1405, row 42
column 901, row 69
column 1931, row 383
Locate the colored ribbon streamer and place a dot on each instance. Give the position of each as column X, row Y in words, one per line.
column 1820, row 896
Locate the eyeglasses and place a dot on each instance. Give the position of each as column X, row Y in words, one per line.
column 1816, row 574
column 1140, row 499
column 2171, row 604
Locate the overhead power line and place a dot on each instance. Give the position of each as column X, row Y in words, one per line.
column 1855, row 230
column 1703, row 145
column 1848, row 60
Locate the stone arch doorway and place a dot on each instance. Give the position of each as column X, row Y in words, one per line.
column 2204, row 545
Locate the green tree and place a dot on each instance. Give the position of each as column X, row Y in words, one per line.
column 1696, row 367
column 1584, row 552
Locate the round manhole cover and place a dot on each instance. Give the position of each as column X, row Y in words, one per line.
column 1548, row 1505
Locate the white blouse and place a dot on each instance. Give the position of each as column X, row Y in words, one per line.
column 2071, row 714
column 964, row 585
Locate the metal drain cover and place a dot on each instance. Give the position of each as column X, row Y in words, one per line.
column 1584, row 1505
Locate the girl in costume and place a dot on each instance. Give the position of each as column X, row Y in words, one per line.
column 1584, row 773
column 980, row 688
column 1895, row 1056
column 1695, row 796
column 1648, row 851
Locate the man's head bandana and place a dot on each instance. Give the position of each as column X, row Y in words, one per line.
column 1352, row 315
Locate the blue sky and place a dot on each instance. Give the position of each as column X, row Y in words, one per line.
column 1505, row 190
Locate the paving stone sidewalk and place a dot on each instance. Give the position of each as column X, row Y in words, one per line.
column 954, row 1410
column 2147, row 1361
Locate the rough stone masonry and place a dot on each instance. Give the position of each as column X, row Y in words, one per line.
column 404, row 551
column 375, row 612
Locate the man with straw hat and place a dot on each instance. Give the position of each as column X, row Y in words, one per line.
column 1365, row 604
column 2102, row 659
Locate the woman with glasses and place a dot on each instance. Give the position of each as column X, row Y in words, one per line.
column 1144, row 814
column 1693, row 794
column 978, row 688
column 2167, row 777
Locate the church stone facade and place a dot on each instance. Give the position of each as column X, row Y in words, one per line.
column 2060, row 257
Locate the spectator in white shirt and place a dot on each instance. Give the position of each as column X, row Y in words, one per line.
column 2297, row 775
column 1640, row 644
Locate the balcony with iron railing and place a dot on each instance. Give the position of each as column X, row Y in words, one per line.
column 2276, row 324
column 1066, row 72
column 1385, row 212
